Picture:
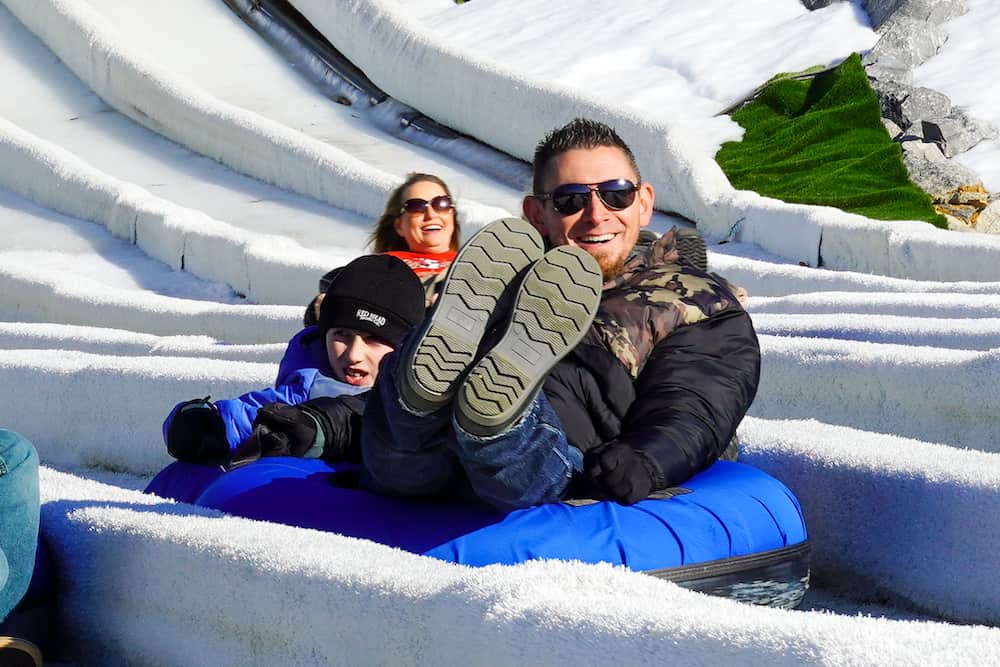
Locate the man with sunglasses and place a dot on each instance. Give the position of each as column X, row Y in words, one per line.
column 644, row 379
column 655, row 390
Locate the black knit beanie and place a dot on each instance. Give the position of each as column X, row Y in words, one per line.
column 376, row 294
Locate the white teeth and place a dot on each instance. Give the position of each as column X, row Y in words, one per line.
column 433, row 228
column 597, row 239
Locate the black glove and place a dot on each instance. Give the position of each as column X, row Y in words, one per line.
column 340, row 419
column 620, row 472
column 197, row 433
column 286, row 430
column 327, row 428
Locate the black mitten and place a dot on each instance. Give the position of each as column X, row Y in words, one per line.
column 620, row 472
column 340, row 419
column 197, row 433
column 286, row 430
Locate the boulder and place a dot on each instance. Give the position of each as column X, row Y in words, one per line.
column 965, row 209
column 922, row 103
column 890, row 97
column 932, row 172
column 907, row 42
column 956, row 132
column 818, row 4
column 988, row 221
column 932, row 11
column 895, row 132
column 905, row 105
column 886, row 67
column 970, row 195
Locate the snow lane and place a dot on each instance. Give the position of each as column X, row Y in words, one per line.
column 118, row 342
column 961, row 334
column 316, row 599
column 84, row 409
column 72, row 116
column 931, row 394
column 251, row 75
column 891, row 515
column 950, row 306
column 766, row 274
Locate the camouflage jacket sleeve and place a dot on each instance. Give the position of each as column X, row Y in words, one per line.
column 691, row 394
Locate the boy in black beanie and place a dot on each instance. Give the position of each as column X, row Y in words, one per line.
column 368, row 308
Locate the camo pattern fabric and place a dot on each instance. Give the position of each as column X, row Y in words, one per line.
column 652, row 296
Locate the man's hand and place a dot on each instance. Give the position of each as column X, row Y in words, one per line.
column 622, row 473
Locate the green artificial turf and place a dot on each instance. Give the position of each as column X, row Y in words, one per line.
column 821, row 141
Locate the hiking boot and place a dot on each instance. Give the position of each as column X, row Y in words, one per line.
column 435, row 358
column 691, row 248
column 554, row 306
column 15, row 652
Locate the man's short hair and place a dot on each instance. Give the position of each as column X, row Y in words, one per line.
column 578, row 133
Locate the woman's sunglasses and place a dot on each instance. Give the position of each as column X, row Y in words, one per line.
column 440, row 203
column 573, row 197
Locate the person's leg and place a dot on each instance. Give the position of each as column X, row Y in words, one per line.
column 509, row 440
column 18, row 517
column 402, row 452
column 529, row 463
column 407, row 442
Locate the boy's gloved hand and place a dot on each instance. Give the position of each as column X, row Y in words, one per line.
column 287, row 430
column 620, row 472
column 197, row 433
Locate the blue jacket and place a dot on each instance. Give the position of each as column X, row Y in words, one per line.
column 306, row 349
column 304, row 373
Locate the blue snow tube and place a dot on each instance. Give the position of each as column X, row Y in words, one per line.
column 731, row 530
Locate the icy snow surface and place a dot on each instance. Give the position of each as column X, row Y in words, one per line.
column 127, row 159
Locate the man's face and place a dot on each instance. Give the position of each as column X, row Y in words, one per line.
column 605, row 233
column 355, row 355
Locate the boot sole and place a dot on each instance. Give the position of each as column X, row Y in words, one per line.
column 476, row 280
column 555, row 305
column 691, row 248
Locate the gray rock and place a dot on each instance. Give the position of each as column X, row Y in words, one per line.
column 907, row 42
column 932, row 11
column 818, row 4
column 887, row 68
column 894, row 130
column 905, row 105
column 890, row 97
column 932, row 172
column 956, row 132
column 922, row 103
column 989, row 219
column 957, row 224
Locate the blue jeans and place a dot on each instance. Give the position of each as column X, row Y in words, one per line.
column 408, row 454
column 18, row 517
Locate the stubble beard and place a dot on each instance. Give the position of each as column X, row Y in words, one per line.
column 610, row 268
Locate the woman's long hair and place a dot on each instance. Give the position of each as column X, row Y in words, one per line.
column 384, row 238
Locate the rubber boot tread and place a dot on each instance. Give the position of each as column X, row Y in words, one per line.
column 554, row 307
column 476, row 280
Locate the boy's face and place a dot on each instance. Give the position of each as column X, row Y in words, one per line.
column 354, row 356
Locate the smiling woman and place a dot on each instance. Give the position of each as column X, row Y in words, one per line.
column 419, row 225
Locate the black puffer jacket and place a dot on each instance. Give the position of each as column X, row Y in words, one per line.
column 669, row 368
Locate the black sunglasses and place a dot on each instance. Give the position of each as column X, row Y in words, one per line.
column 439, row 203
column 573, row 197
